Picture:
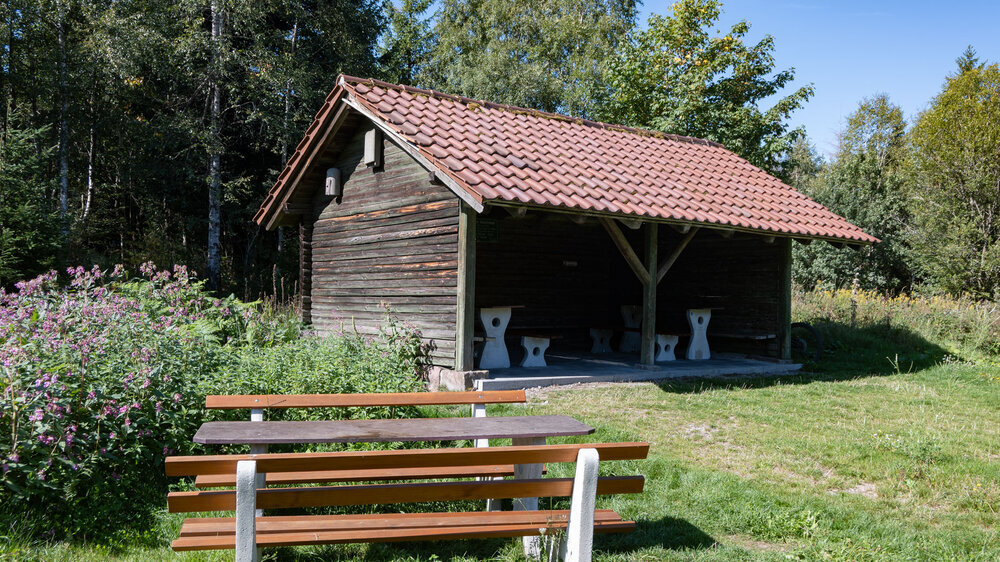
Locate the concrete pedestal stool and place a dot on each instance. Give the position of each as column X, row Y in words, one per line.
column 631, row 339
column 698, row 320
column 534, row 351
column 665, row 345
column 494, row 354
column 602, row 340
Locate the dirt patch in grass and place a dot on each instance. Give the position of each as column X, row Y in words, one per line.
column 866, row 489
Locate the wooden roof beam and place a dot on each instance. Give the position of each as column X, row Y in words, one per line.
column 626, row 250
column 669, row 262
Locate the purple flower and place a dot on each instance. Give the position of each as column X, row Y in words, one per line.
column 41, row 474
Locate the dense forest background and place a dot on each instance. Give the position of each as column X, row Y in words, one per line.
column 135, row 131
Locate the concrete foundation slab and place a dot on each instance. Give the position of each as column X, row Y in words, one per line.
column 565, row 369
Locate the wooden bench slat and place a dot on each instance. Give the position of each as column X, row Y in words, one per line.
column 362, row 475
column 435, row 532
column 280, row 498
column 311, row 523
column 404, row 458
column 227, row 402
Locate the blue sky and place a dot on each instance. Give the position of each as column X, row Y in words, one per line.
column 853, row 49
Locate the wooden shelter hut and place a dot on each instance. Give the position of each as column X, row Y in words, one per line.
column 438, row 206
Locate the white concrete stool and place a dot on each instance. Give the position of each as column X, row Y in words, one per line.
column 665, row 348
column 534, row 351
column 631, row 339
column 698, row 320
column 494, row 353
column 602, row 340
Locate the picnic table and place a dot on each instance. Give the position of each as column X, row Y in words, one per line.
column 521, row 430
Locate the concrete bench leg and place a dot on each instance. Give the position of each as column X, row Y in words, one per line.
column 631, row 339
column 698, row 320
column 602, row 340
column 494, row 354
column 534, row 351
column 665, row 346
column 246, row 512
column 579, row 543
column 479, row 411
column 532, row 545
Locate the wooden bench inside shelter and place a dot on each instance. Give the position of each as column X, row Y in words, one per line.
column 249, row 530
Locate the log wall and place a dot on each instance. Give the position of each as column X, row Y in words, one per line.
column 390, row 240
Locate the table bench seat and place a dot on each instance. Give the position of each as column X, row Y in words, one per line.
column 363, row 475
column 273, row 531
column 251, row 529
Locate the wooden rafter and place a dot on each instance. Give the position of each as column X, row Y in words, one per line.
column 626, row 250
column 669, row 262
column 315, row 149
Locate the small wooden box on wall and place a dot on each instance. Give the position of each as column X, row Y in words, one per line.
column 373, row 149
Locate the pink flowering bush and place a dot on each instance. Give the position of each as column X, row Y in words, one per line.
column 103, row 377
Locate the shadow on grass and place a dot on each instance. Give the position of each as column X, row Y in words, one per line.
column 668, row 533
column 849, row 353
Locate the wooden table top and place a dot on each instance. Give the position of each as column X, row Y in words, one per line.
column 374, row 431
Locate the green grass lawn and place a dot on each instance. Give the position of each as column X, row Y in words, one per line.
column 887, row 450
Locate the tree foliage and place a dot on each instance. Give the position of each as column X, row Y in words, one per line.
column 140, row 81
column 677, row 77
column 866, row 184
column 29, row 234
column 545, row 55
column 409, row 42
column 956, row 198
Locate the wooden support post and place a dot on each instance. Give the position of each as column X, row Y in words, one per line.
column 626, row 250
column 669, row 262
column 466, row 320
column 649, row 297
column 785, row 298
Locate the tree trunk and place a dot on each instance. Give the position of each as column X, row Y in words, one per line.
column 215, row 156
column 63, row 119
column 285, row 133
column 90, row 175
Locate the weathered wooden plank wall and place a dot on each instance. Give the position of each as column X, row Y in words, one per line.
column 557, row 270
column 391, row 240
column 739, row 276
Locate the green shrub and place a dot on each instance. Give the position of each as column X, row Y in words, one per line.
column 105, row 376
column 346, row 364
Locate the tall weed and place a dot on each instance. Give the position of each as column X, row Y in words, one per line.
column 966, row 325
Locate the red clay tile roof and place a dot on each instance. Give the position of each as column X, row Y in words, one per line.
column 501, row 153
